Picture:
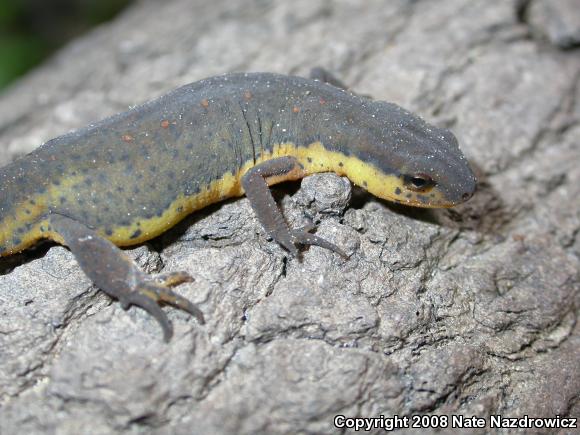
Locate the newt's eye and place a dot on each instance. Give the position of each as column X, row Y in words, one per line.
column 419, row 182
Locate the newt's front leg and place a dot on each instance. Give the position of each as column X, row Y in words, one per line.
column 110, row 269
column 255, row 184
column 325, row 76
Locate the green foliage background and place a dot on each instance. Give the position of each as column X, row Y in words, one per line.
column 30, row 30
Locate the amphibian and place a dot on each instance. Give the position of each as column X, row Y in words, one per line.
column 129, row 178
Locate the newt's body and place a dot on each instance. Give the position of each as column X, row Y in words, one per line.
column 130, row 177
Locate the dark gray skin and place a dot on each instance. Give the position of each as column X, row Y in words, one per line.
column 91, row 184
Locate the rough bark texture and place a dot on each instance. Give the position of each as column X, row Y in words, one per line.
column 469, row 311
column 556, row 20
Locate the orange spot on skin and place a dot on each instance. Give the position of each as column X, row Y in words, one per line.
column 248, row 95
column 295, row 109
column 165, row 123
column 205, row 103
column 127, row 138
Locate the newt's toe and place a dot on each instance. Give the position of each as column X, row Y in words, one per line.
column 303, row 237
column 149, row 295
column 173, row 279
column 147, row 299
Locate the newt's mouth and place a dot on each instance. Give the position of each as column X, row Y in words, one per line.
column 432, row 199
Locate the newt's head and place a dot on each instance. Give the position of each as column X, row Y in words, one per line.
column 411, row 161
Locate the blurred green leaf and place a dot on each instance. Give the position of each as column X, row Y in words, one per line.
column 30, row 30
column 9, row 11
column 17, row 55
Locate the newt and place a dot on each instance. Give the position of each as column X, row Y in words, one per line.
column 126, row 179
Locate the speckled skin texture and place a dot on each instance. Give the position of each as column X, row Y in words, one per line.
column 133, row 166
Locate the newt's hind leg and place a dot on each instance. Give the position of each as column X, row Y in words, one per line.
column 255, row 183
column 110, row 269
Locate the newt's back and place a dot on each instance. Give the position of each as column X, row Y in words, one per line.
column 142, row 165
